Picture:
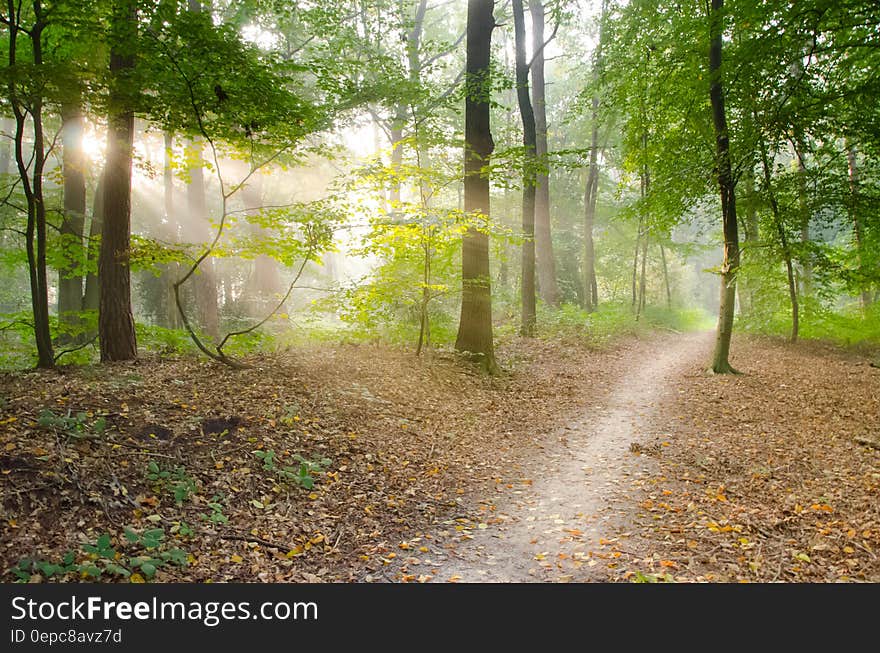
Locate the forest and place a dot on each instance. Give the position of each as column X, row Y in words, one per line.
column 440, row 291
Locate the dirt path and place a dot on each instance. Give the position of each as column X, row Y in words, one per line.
column 557, row 524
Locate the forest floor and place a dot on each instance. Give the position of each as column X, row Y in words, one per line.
column 363, row 463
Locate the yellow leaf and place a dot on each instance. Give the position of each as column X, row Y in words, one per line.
column 237, row 559
column 848, row 549
column 136, row 578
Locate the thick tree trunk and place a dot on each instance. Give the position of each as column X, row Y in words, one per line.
column 547, row 284
column 475, row 324
column 115, row 320
column 529, row 314
column 856, row 217
column 726, row 185
column 70, row 280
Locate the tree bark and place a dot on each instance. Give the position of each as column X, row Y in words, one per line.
column 858, row 237
column 70, row 279
column 115, row 319
column 727, row 187
column 527, row 287
column 666, row 276
column 169, row 316
column 92, row 296
column 591, row 192
column 548, row 286
column 30, row 171
column 475, row 325
column 745, row 287
column 783, row 241
column 206, row 277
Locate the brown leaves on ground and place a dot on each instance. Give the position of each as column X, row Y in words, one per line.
column 766, row 476
column 405, row 438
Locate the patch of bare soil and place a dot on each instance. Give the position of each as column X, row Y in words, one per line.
column 562, row 515
column 323, row 463
column 772, row 475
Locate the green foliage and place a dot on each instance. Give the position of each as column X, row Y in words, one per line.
column 101, row 559
column 182, row 486
column 216, row 516
column 614, row 320
column 77, row 426
column 300, row 474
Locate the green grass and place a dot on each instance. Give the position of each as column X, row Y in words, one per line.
column 614, row 320
column 846, row 327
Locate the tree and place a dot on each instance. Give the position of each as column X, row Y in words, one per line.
column 115, row 319
column 475, row 325
column 70, row 279
column 529, row 314
column 548, row 286
column 27, row 100
column 727, row 188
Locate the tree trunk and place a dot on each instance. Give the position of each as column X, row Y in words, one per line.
column 265, row 282
column 206, row 278
column 70, row 280
column 115, row 320
column 727, row 187
column 92, row 296
column 30, row 171
column 527, row 288
column 169, row 317
column 666, row 276
column 745, row 286
column 475, row 325
column 804, row 210
column 591, row 192
column 548, row 286
column 783, row 241
column 858, row 238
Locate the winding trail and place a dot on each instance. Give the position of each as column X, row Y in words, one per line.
column 551, row 529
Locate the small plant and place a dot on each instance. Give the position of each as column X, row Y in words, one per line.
column 74, row 426
column 300, row 474
column 216, row 516
column 100, row 558
column 182, row 485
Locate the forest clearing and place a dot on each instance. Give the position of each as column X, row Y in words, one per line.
column 439, row 291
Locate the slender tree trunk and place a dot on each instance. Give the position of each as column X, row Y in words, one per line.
column 475, row 325
column 265, row 282
column 591, row 192
column 726, row 185
column 635, row 266
column 70, row 279
column 92, row 296
column 7, row 126
column 804, row 210
column 529, row 314
column 783, row 241
column 30, row 171
column 546, row 262
column 115, row 319
column 206, row 279
column 666, row 276
column 745, row 286
column 858, row 237
column 169, row 318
